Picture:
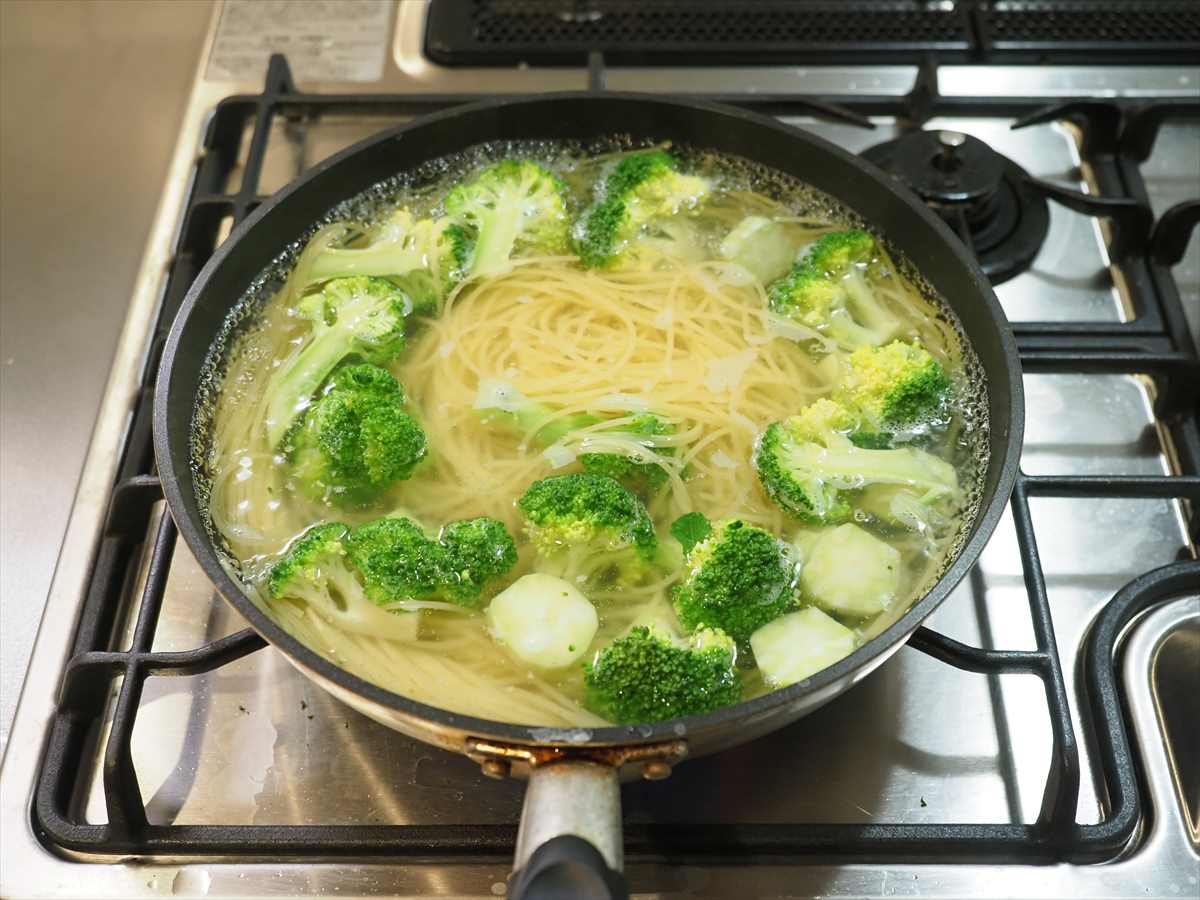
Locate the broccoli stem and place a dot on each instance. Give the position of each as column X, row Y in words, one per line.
column 530, row 419
column 848, row 333
column 498, row 236
column 383, row 258
column 300, row 377
column 345, row 587
column 849, row 467
column 877, row 323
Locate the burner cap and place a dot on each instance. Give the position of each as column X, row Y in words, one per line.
column 985, row 197
column 947, row 166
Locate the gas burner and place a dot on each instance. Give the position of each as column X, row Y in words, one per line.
column 985, row 197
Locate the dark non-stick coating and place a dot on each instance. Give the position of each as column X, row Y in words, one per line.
column 287, row 216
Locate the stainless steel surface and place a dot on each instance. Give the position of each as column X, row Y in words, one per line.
column 579, row 798
column 1176, row 672
column 254, row 742
column 111, row 79
column 1172, row 174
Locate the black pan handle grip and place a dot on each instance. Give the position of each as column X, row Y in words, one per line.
column 569, row 843
column 567, row 868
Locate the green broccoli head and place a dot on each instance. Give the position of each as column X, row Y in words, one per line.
column 739, row 579
column 357, row 439
column 803, row 493
column 627, row 466
column 514, row 207
column 352, row 318
column 399, row 561
column 646, row 676
column 896, row 387
column 810, row 465
column 583, row 510
column 835, row 253
column 478, row 551
column 642, row 188
column 315, row 568
column 829, row 291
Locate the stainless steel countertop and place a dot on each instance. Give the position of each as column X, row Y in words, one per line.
column 91, row 97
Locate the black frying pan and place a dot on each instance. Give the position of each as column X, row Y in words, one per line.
column 570, row 838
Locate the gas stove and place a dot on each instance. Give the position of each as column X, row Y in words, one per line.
column 1042, row 722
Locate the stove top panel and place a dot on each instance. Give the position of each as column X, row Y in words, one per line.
column 255, row 783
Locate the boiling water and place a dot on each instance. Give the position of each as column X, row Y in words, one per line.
column 686, row 338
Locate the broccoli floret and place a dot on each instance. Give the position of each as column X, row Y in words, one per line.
column 399, row 561
column 315, row 569
column 512, row 208
column 586, row 511
column 828, row 291
column 357, row 438
column 808, row 497
column 895, row 388
column 425, row 258
column 808, row 463
column 479, row 550
column 641, row 189
column 739, row 579
column 628, row 466
column 645, row 676
column 361, row 318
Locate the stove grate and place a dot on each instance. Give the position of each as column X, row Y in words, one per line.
column 1156, row 344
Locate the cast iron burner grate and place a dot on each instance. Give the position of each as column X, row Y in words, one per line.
column 1156, row 344
column 987, row 199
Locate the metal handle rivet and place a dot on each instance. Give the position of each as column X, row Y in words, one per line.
column 656, row 770
column 495, row 768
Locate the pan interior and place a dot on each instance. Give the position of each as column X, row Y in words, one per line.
column 426, row 183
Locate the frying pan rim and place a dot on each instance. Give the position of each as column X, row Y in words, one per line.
column 988, row 516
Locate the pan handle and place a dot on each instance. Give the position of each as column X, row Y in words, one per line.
column 570, row 842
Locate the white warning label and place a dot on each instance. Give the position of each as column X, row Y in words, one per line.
column 324, row 40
